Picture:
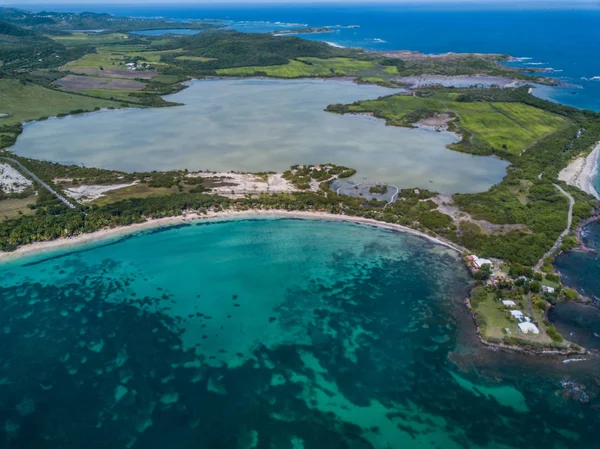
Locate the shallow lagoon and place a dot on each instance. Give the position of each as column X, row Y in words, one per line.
column 257, row 125
column 261, row 334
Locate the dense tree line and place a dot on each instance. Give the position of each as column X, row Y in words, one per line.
column 234, row 49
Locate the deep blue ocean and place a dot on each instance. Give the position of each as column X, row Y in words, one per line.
column 566, row 40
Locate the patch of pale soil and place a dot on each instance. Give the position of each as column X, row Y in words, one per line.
column 91, row 82
column 112, row 73
column 415, row 55
column 456, row 81
column 437, row 120
column 446, row 206
column 11, row 181
column 246, row 184
column 88, row 193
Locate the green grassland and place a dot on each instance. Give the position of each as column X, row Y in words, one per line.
column 494, row 321
column 95, row 60
column 194, row 58
column 89, row 39
column 489, row 126
column 14, row 207
column 115, row 56
column 316, row 67
column 30, row 101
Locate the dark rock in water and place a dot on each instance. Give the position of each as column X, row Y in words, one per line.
column 236, row 305
column 234, row 297
column 271, row 319
column 574, row 391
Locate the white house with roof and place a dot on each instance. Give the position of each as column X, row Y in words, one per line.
column 547, row 289
column 478, row 262
column 508, row 303
column 517, row 314
column 528, row 328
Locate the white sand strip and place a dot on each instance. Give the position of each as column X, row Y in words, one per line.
column 581, row 172
column 67, row 242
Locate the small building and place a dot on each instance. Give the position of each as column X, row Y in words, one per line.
column 547, row 289
column 528, row 328
column 517, row 314
column 478, row 262
column 508, row 303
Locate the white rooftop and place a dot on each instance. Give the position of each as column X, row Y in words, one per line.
column 481, row 261
column 516, row 314
column 508, row 302
column 528, row 328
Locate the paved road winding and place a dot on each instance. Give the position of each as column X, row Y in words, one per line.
column 42, row 183
column 559, row 240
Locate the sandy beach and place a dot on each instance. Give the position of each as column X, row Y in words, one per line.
column 67, row 242
column 581, row 172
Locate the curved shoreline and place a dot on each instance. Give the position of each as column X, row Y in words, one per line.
column 580, row 172
column 104, row 234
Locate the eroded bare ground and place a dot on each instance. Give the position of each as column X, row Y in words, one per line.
column 437, row 120
column 112, row 73
column 74, row 82
column 446, row 206
column 238, row 185
column 415, row 55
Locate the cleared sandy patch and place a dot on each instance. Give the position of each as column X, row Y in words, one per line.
column 436, row 121
column 86, row 194
column 91, row 82
column 112, row 73
column 246, row 183
column 11, row 181
column 457, row 81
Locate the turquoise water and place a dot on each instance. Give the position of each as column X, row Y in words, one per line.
column 264, row 334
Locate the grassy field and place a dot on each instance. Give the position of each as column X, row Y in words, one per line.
column 30, row 102
column 194, row 58
column 137, row 191
column 106, row 59
column 114, row 56
column 13, row 207
column 498, row 319
column 76, row 39
column 309, row 67
column 508, row 126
